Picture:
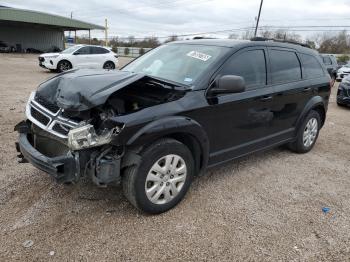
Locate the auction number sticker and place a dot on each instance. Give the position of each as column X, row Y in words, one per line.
column 199, row 55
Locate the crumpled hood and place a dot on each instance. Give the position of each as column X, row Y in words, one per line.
column 83, row 89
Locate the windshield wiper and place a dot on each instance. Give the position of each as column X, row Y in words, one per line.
column 173, row 83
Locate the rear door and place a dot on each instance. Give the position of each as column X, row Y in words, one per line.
column 239, row 123
column 99, row 56
column 291, row 91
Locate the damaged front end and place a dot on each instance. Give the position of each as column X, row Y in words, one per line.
column 72, row 128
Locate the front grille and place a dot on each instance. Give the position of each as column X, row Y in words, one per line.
column 49, row 117
column 347, row 91
column 62, row 129
column 41, row 59
column 39, row 116
column 52, row 107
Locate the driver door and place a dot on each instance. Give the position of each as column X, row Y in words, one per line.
column 240, row 122
column 82, row 57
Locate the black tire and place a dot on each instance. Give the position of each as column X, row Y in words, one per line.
column 333, row 78
column 64, row 65
column 134, row 177
column 341, row 105
column 109, row 65
column 298, row 145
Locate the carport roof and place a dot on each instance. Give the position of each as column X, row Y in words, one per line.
column 35, row 17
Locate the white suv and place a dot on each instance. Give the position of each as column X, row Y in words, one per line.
column 79, row 56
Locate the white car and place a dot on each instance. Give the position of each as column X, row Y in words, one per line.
column 79, row 56
column 343, row 72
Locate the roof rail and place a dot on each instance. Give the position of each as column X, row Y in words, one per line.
column 202, row 37
column 279, row 41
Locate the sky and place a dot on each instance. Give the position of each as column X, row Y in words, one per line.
column 141, row 18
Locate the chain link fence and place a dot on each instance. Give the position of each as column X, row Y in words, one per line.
column 130, row 51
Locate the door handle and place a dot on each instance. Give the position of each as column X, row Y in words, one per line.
column 306, row 89
column 266, row 98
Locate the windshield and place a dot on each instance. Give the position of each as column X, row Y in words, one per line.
column 70, row 50
column 181, row 63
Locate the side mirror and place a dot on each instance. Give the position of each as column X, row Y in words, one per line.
column 228, row 84
column 76, row 53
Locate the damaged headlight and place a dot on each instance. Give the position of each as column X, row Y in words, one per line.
column 85, row 137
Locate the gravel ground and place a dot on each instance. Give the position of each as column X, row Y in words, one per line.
column 267, row 206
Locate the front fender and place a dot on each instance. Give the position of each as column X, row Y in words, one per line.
column 171, row 126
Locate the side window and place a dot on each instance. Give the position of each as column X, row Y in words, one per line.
column 285, row 66
column 98, row 50
column 84, row 50
column 327, row 60
column 311, row 67
column 250, row 65
column 103, row 50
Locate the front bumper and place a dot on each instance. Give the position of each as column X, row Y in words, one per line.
column 340, row 76
column 343, row 95
column 64, row 168
column 47, row 63
column 103, row 168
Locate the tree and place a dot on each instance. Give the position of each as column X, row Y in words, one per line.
column 171, row 39
column 233, row 36
column 247, row 35
column 336, row 44
column 131, row 40
column 142, row 51
column 343, row 58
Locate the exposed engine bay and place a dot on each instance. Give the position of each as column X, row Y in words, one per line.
column 141, row 94
column 76, row 128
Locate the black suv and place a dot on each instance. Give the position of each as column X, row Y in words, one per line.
column 173, row 112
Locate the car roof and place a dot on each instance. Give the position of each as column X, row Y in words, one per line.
column 82, row 45
column 237, row 44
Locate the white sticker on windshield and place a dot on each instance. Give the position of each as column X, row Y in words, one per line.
column 187, row 79
column 199, row 55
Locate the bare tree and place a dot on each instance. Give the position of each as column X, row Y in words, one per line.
column 172, row 39
column 233, row 36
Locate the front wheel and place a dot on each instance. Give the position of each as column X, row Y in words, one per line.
column 64, row 65
column 160, row 181
column 307, row 133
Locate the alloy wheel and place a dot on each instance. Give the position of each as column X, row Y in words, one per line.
column 64, row 66
column 109, row 66
column 310, row 132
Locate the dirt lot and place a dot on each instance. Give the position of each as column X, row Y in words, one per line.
column 267, row 206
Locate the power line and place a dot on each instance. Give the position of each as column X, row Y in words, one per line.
column 127, row 11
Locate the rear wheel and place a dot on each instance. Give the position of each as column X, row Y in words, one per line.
column 109, row 65
column 307, row 133
column 161, row 179
column 333, row 78
column 64, row 65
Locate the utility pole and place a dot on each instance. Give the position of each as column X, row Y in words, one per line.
column 71, row 17
column 106, row 32
column 257, row 20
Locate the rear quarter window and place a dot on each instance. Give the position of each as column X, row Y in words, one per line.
column 311, row 66
column 285, row 66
